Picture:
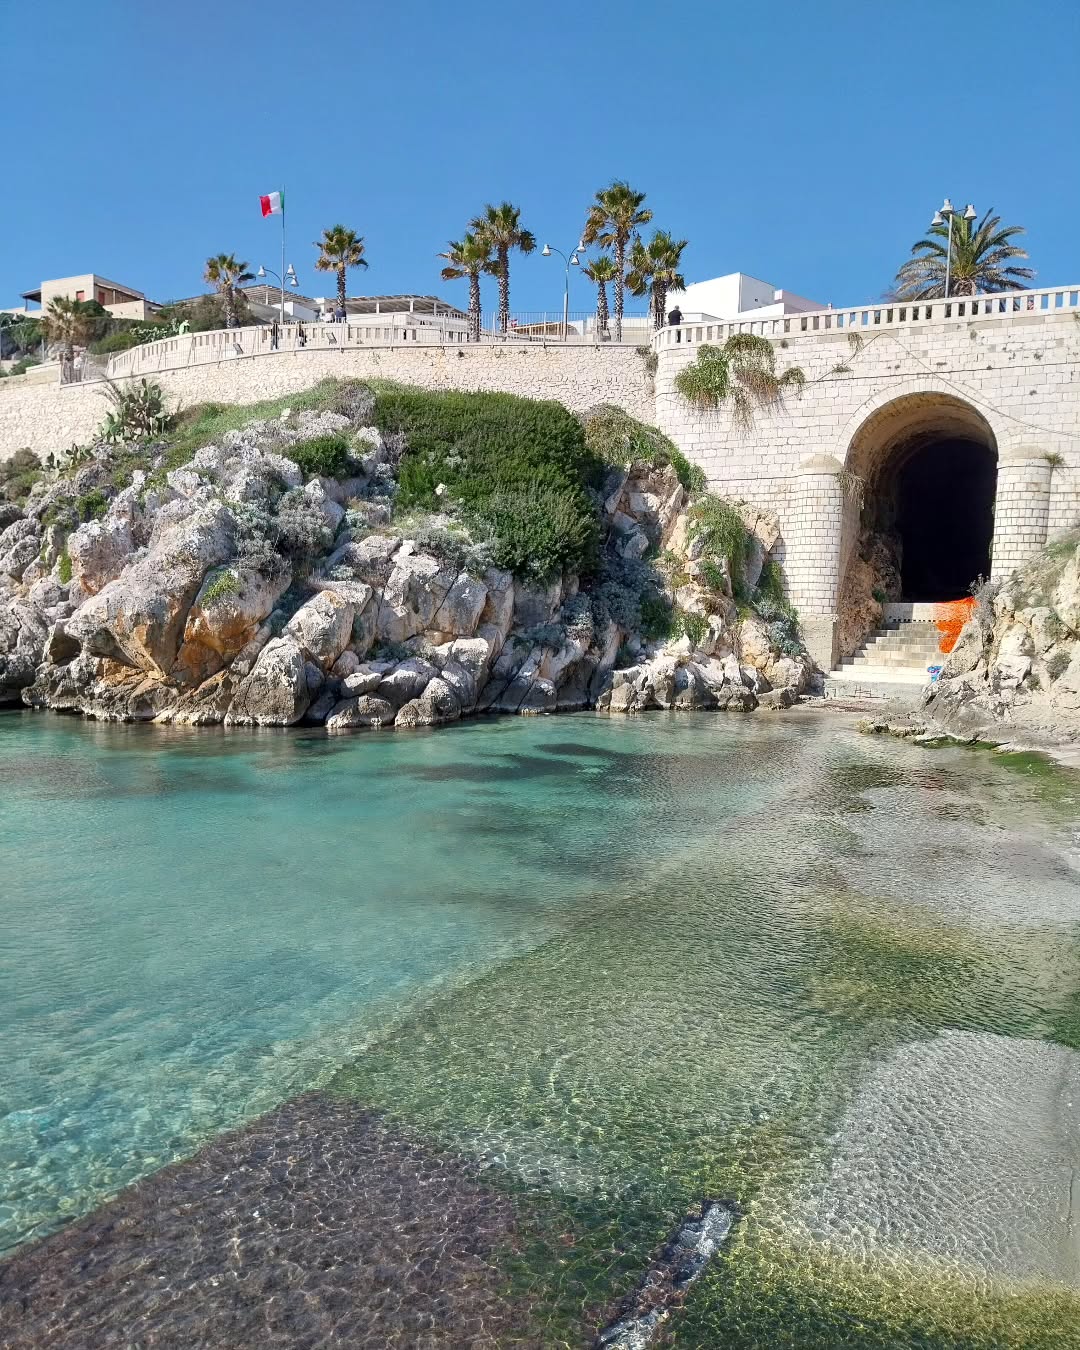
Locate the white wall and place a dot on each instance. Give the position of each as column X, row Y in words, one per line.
column 50, row 418
column 729, row 296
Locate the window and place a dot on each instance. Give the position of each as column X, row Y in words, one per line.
column 101, row 297
column 80, row 295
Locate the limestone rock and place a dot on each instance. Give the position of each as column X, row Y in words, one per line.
column 364, row 712
column 276, row 692
column 138, row 619
column 406, row 681
column 223, row 619
column 322, row 627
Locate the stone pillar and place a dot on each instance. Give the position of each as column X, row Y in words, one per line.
column 813, row 539
column 1021, row 509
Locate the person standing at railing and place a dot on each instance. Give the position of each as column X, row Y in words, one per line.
column 301, row 335
column 275, row 334
column 674, row 318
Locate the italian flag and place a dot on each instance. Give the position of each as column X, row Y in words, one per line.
column 273, row 204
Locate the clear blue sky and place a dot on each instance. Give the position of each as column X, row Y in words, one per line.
column 804, row 141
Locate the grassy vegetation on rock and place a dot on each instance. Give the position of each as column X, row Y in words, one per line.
column 519, row 469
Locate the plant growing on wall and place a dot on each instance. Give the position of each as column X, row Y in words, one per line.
column 601, row 270
column 226, row 273
column 613, row 218
column 469, row 257
column 981, row 258
column 742, row 371
column 654, row 271
column 340, row 249
column 500, row 228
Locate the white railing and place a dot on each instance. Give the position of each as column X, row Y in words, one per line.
column 370, row 330
column 887, row 314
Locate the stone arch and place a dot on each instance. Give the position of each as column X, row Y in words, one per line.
column 927, row 462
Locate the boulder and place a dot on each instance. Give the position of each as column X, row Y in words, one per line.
column 460, row 611
column 437, row 704
column 363, row 680
column 224, row 617
column 19, row 555
column 322, row 627
column 276, row 692
column 406, row 681
column 414, row 592
column 536, row 605
column 138, row 619
column 365, row 711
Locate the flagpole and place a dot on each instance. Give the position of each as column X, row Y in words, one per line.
column 281, row 278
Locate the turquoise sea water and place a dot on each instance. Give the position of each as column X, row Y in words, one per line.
column 598, row 952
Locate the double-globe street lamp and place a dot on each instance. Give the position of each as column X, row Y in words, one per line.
column 572, row 261
column 946, row 213
column 290, row 277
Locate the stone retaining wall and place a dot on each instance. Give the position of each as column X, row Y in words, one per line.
column 50, row 418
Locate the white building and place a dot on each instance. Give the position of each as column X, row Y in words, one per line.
column 737, row 296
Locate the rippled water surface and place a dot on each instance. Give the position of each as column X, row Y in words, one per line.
column 831, row 979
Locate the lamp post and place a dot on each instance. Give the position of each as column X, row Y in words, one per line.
column 290, row 276
column 572, row 261
column 946, row 213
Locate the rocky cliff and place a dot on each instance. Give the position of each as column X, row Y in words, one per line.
column 1016, row 665
column 241, row 587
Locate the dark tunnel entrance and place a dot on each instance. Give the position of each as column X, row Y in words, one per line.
column 945, row 517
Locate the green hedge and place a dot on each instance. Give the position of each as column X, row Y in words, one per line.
column 519, row 468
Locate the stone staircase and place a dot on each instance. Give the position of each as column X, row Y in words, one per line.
column 891, row 664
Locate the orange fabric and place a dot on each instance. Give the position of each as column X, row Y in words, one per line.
column 949, row 619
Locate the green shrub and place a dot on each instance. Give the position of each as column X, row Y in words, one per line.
column 226, row 582
column 1057, row 664
column 299, row 528
column 18, row 474
column 519, row 468
column 722, row 531
column 714, row 576
column 65, row 567
column 657, row 616
column 537, row 529
column 323, row 456
column 771, row 583
column 115, row 342
column 692, row 626
column 618, row 439
column 91, row 505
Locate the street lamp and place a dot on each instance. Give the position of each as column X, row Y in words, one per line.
column 946, row 213
column 290, row 277
column 572, row 261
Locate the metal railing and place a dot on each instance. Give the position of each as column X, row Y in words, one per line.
column 889, row 314
column 375, row 330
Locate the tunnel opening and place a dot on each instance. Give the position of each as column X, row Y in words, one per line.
column 944, row 517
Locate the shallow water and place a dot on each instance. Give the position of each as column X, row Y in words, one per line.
column 629, row 963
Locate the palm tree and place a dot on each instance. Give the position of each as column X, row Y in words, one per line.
column 654, row 270
column 500, row 228
column 601, row 270
column 340, row 249
column 612, row 220
column 469, row 257
column 744, row 370
column 226, row 273
column 68, row 323
column 979, row 257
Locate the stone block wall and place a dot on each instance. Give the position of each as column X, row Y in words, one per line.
column 1017, row 376
column 47, row 418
